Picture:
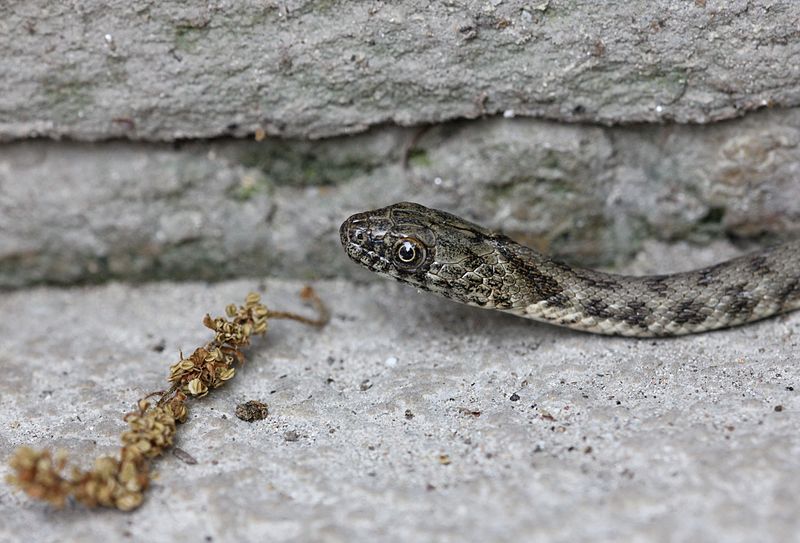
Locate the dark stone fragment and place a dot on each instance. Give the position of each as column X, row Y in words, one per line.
column 252, row 411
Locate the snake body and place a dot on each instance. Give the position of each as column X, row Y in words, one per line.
column 446, row 255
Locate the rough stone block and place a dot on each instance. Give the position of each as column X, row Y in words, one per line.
column 96, row 69
column 72, row 212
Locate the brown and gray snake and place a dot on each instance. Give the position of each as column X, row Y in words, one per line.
column 446, row 255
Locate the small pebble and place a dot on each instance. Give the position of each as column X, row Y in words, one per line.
column 252, row 411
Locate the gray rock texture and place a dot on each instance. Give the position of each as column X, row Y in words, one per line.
column 149, row 70
column 76, row 212
column 409, row 418
column 618, row 134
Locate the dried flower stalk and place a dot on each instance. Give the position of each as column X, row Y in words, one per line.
column 120, row 482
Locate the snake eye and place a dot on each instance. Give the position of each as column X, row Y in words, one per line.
column 409, row 253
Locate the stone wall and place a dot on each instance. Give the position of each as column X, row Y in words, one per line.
column 147, row 140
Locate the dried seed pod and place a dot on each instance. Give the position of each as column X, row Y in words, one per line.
column 196, row 387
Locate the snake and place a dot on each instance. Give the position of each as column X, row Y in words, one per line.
column 441, row 253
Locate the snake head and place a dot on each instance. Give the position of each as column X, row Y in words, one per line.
column 427, row 248
column 390, row 241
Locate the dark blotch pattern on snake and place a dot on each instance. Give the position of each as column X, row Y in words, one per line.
column 446, row 255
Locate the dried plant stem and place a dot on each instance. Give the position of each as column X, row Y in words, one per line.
column 308, row 294
column 120, row 482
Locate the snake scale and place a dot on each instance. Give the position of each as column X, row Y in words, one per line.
column 446, row 255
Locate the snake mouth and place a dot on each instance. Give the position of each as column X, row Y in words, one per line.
column 343, row 234
column 350, row 241
column 360, row 241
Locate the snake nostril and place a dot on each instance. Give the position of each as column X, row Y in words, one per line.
column 355, row 230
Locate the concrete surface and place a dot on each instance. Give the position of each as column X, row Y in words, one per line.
column 410, row 418
column 73, row 212
column 99, row 69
